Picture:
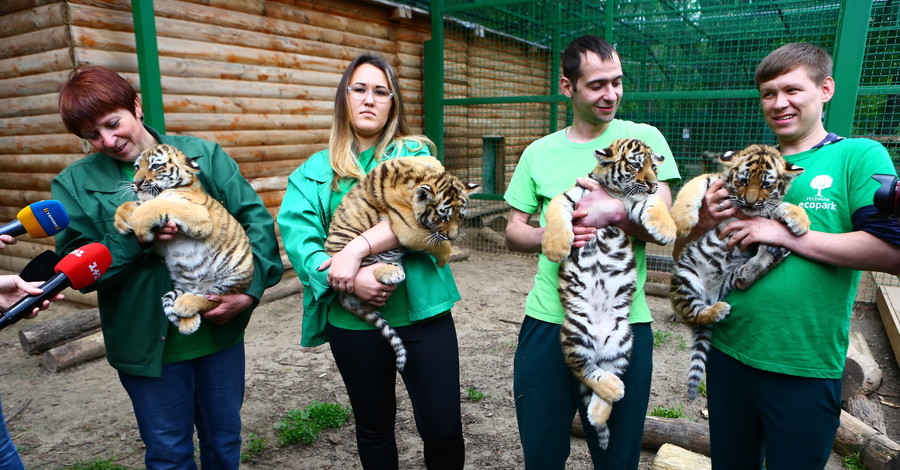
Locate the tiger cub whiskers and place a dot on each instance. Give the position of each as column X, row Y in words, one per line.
column 211, row 252
column 597, row 282
column 756, row 178
column 424, row 206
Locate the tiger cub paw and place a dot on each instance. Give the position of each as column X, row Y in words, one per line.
column 189, row 326
column 796, row 219
column 390, row 274
column 685, row 218
column 557, row 244
column 442, row 253
column 122, row 219
column 714, row 313
column 607, row 386
column 598, row 411
column 660, row 225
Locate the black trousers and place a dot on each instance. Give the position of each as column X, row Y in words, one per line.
column 366, row 363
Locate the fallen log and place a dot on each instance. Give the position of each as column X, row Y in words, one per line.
column 672, row 457
column 40, row 337
column 658, row 431
column 862, row 374
column 878, row 452
column 75, row 352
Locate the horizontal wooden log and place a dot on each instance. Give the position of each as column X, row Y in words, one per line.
column 40, row 144
column 254, row 7
column 22, row 198
column 33, row 42
column 13, row 6
column 878, row 452
column 74, row 352
column 862, row 374
column 31, row 105
column 254, row 138
column 866, row 410
column 658, row 431
column 32, row 125
column 49, row 61
column 26, row 21
column 272, row 153
column 295, row 12
column 672, row 457
column 37, row 84
column 273, row 183
column 190, row 122
column 37, row 162
column 40, row 337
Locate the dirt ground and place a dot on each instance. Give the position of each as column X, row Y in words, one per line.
column 83, row 414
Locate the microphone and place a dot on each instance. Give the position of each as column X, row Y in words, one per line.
column 41, row 267
column 78, row 269
column 40, row 219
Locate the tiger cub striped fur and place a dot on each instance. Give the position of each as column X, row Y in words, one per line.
column 756, row 179
column 597, row 282
column 424, row 206
column 211, row 252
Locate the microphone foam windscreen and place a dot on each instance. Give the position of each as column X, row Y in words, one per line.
column 41, row 267
column 43, row 218
column 85, row 265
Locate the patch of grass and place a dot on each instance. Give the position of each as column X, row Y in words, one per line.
column 701, row 389
column 853, row 462
column 474, row 394
column 255, row 447
column 661, row 337
column 102, row 464
column 304, row 425
column 663, row 412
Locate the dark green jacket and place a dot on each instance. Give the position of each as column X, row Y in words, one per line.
column 133, row 323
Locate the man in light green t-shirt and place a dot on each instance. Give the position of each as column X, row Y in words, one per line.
column 773, row 374
column 546, row 392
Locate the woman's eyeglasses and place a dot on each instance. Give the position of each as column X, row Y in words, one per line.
column 380, row 94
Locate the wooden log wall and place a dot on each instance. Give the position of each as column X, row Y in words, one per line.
column 256, row 76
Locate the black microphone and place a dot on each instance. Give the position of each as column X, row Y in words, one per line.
column 78, row 269
column 40, row 219
column 41, row 267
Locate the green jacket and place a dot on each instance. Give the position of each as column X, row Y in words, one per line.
column 133, row 323
column 304, row 219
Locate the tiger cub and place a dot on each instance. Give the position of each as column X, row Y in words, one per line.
column 424, row 206
column 211, row 252
column 597, row 282
column 756, row 179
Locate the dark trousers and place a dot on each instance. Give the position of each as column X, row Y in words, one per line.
column 431, row 376
column 757, row 416
column 548, row 394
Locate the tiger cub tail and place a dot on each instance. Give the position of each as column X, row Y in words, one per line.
column 699, row 351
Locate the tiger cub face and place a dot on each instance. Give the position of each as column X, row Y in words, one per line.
column 440, row 205
column 628, row 167
column 757, row 178
column 162, row 167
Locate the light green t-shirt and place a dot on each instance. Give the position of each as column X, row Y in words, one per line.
column 549, row 167
column 796, row 319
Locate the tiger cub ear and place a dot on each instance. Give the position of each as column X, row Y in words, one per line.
column 472, row 188
column 424, row 194
column 658, row 158
column 604, row 155
column 792, row 171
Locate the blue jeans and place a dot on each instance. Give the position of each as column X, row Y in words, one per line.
column 9, row 456
column 206, row 392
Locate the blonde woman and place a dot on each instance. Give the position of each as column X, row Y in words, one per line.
column 368, row 128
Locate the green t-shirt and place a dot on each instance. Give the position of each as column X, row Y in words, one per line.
column 796, row 319
column 396, row 310
column 549, row 167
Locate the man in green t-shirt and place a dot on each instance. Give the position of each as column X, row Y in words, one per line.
column 773, row 375
column 547, row 394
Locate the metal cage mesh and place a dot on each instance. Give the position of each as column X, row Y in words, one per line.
column 688, row 67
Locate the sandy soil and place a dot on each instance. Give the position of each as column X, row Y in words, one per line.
column 83, row 414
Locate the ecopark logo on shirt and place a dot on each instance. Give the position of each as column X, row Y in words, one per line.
column 819, row 202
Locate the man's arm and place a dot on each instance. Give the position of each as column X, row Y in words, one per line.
column 598, row 209
column 520, row 236
column 853, row 250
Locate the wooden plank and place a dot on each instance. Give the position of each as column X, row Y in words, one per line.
column 889, row 308
column 39, row 17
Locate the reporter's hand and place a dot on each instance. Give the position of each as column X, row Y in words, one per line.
column 13, row 288
column 7, row 240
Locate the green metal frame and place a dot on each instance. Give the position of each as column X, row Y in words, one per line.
column 849, row 49
column 148, row 64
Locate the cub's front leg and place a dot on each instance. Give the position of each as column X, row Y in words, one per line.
column 122, row 220
column 686, row 208
column 655, row 218
column 794, row 217
column 192, row 220
column 556, row 242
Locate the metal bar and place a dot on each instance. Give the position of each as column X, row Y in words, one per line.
column 849, row 49
column 148, row 63
column 480, row 5
column 434, row 79
column 636, row 96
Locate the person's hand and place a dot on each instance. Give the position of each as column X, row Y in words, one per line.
column 13, row 288
column 166, row 232
column 229, row 306
column 369, row 289
column 7, row 240
column 747, row 232
column 343, row 268
column 597, row 209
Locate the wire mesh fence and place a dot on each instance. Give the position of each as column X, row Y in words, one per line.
column 688, row 68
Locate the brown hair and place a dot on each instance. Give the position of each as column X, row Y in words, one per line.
column 343, row 147
column 572, row 54
column 791, row 56
column 92, row 92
